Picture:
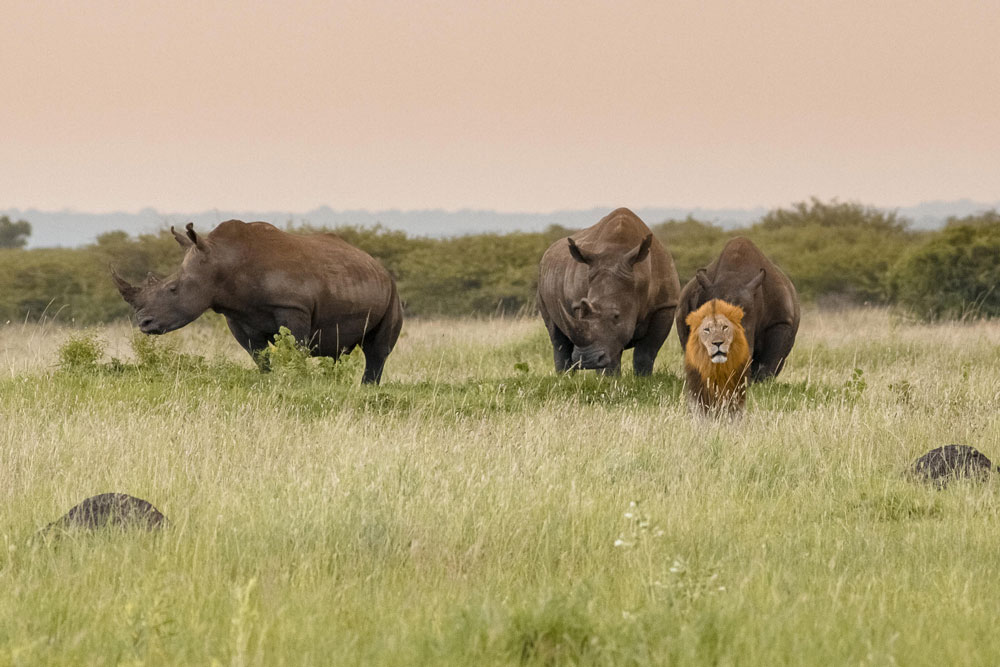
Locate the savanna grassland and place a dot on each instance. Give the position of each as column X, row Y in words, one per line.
column 478, row 510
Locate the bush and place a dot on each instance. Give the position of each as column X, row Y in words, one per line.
column 13, row 234
column 828, row 249
column 57, row 281
column 286, row 357
column 842, row 249
column 955, row 273
column 81, row 352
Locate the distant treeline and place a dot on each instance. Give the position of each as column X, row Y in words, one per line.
column 836, row 253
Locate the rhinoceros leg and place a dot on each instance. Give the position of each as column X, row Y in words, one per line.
column 378, row 343
column 646, row 348
column 251, row 340
column 562, row 349
column 770, row 351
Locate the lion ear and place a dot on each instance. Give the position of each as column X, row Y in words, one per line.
column 736, row 315
column 692, row 319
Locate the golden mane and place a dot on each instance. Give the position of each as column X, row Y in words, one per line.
column 717, row 386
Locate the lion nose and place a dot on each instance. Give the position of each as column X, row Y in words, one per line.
column 718, row 343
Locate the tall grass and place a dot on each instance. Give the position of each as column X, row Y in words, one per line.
column 476, row 509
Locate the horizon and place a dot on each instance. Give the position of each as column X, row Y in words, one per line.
column 512, row 107
column 948, row 203
column 70, row 228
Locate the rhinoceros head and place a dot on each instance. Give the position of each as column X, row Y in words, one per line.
column 605, row 319
column 163, row 305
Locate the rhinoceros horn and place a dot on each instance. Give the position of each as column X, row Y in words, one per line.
column 128, row 292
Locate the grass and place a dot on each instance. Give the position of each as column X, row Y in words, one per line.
column 477, row 509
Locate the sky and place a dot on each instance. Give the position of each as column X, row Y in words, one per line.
column 506, row 105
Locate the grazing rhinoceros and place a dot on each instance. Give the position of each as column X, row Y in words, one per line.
column 742, row 276
column 608, row 288
column 329, row 294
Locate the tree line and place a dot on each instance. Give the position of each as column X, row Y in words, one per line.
column 836, row 253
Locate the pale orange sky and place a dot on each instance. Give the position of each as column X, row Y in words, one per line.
column 517, row 106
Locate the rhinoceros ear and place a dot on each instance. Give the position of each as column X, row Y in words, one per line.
column 639, row 253
column 757, row 280
column 189, row 237
column 197, row 240
column 703, row 280
column 128, row 292
column 182, row 239
column 577, row 253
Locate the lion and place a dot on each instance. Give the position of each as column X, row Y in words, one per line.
column 717, row 359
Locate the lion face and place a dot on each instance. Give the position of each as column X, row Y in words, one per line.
column 716, row 334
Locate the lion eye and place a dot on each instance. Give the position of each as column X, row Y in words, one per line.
column 725, row 328
column 707, row 330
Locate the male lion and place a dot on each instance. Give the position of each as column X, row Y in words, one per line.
column 717, row 359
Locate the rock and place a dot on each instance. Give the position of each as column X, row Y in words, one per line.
column 951, row 462
column 118, row 510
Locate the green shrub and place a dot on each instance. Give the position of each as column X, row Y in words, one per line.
column 13, row 234
column 828, row 249
column 834, row 249
column 953, row 274
column 287, row 357
column 154, row 352
column 81, row 352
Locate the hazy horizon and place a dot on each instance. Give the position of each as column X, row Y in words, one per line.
column 73, row 228
column 946, row 203
column 512, row 106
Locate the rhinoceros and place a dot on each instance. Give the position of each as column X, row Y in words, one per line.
column 606, row 289
column 743, row 276
column 330, row 295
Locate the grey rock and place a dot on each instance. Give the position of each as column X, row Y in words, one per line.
column 946, row 464
column 117, row 510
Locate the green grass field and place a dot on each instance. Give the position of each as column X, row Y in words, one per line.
column 478, row 510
